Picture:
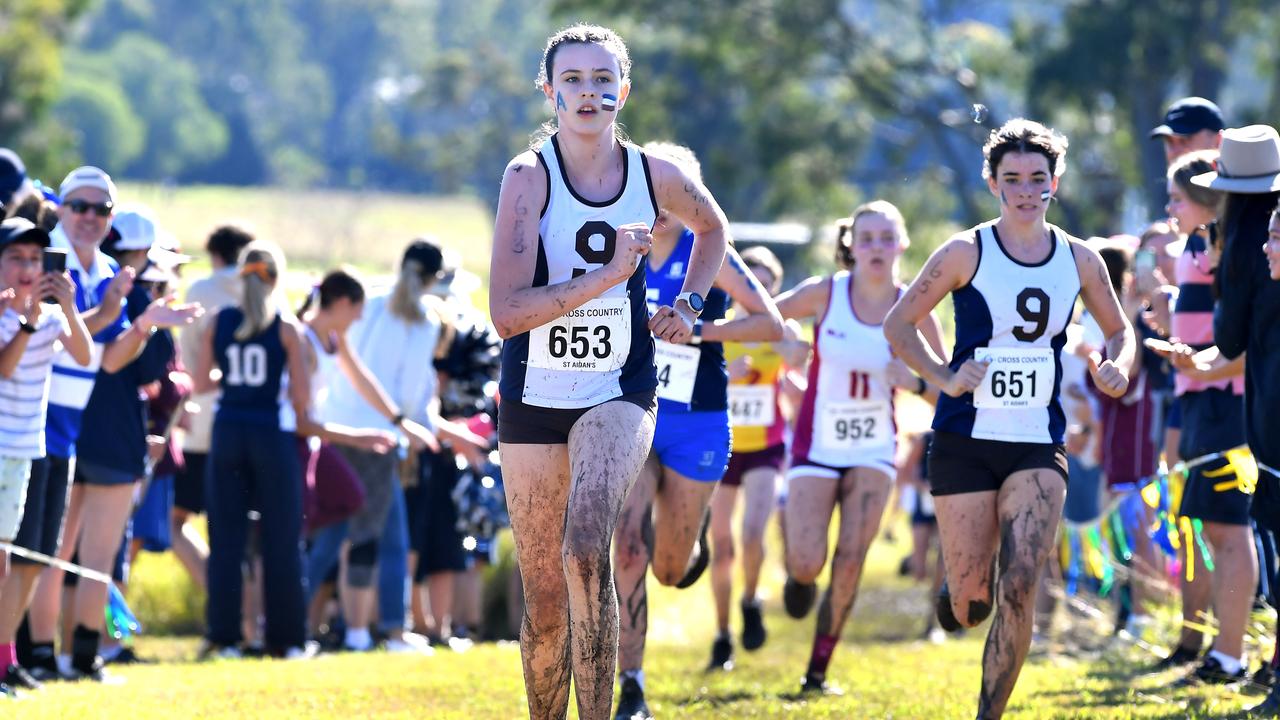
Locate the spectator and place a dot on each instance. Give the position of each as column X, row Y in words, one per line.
column 1190, row 124
column 218, row 290
column 1245, row 319
column 14, row 185
column 33, row 332
column 253, row 458
column 88, row 206
column 112, row 451
column 1212, row 422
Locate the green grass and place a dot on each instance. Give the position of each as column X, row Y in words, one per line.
column 319, row 229
column 885, row 669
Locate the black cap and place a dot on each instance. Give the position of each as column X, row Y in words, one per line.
column 1189, row 116
column 15, row 229
column 427, row 253
column 13, row 175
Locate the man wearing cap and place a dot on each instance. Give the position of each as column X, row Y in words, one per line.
column 95, row 511
column 33, row 332
column 1245, row 320
column 1192, row 123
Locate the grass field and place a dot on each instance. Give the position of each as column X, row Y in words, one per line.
column 886, row 671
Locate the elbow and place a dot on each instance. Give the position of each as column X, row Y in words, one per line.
column 775, row 331
column 7, row 372
column 82, row 356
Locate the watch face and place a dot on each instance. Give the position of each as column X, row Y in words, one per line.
column 695, row 302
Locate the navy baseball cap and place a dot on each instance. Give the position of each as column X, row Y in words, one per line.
column 1189, row 116
column 13, row 175
column 15, row 229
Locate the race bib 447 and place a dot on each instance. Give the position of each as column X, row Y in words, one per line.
column 595, row 337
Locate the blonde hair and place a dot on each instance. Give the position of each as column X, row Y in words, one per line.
column 406, row 295
column 678, row 154
column 763, row 257
column 260, row 269
column 846, row 227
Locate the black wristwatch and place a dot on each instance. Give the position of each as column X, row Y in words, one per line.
column 921, row 386
column 26, row 327
column 398, row 420
column 695, row 301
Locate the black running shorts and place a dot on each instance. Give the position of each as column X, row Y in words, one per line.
column 961, row 464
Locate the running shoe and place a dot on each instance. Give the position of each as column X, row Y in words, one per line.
column 213, row 651
column 126, row 656
column 306, row 651
column 1264, row 676
column 1269, row 708
column 631, row 705
column 16, row 677
column 814, row 685
column 946, row 616
column 798, row 598
column 409, row 643
column 91, row 671
column 1179, row 657
column 45, row 669
column 701, row 559
column 753, row 632
column 1211, row 672
column 721, row 654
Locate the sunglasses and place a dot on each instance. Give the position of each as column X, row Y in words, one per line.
column 80, row 207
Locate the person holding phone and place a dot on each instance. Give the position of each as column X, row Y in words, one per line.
column 33, row 332
column 94, row 512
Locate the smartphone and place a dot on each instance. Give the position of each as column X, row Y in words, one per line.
column 1144, row 262
column 54, row 261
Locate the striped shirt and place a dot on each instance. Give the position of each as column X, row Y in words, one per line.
column 24, row 398
column 1192, row 321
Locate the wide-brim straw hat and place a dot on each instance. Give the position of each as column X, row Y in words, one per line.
column 1248, row 162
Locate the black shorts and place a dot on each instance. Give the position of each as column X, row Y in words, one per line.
column 188, row 483
column 433, row 517
column 46, row 507
column 1212, row 421
column 961, row 464
column 741, row 463
column 522, row 424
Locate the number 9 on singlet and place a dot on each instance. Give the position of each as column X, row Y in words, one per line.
column 595, row 337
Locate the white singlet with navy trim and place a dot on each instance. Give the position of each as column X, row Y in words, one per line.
column 846, row 417
column 603, row 349
column 1013, row 315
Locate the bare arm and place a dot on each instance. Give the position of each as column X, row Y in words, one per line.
column 688, row 200
column 760, row 320
column 514, row 304
column 99, row 318
column 364, row 382
column 948, row 268
column 806, row 300
column 1101, row 302
column 1208, row 365
column 202, row 377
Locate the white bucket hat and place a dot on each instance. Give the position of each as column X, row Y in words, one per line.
column 1249, row 162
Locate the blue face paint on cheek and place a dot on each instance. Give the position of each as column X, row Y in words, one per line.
column 608, row 102
column 560, row 104
column 1044, row 196
column 1003, row 200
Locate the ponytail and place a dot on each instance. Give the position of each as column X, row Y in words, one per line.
column 336, row 285
column 406, row 296
column 844, row 243
column 259, row 270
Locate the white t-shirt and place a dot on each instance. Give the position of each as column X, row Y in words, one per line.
column 24, row 398
column 399, row 354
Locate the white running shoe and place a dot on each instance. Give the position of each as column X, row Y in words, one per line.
column 410, row 643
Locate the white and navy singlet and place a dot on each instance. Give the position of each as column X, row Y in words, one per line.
column 846, row 417
column 1014, row 315
column 255, row 375
column 601, row 350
